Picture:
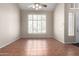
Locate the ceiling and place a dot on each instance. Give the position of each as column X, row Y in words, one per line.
column 50, row 6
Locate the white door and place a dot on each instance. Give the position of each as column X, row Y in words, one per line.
column 77, row 27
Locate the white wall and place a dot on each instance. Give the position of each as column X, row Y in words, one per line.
column 59, row 22
column 9, row 23
column 24, row 24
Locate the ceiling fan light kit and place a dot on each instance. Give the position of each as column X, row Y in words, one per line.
column 38, row 6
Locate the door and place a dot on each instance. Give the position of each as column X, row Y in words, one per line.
column 77, row 27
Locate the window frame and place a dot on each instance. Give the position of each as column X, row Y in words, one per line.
column 71, row 24
column 42, row 15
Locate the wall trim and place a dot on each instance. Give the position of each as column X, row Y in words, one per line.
column 37, row 38
column 70, row 42
column 60, row 41
column 9, row 42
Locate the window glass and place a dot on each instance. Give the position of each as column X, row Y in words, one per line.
column 71, row 24
column 36, row 23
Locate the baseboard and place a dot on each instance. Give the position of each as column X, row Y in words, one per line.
column 70, row 42
column 9, row 43
column 60, row 41
column 37, row 38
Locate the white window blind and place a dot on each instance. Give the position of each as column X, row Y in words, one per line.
column 36, row 23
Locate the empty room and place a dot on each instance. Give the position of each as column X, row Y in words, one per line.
column 39, row 29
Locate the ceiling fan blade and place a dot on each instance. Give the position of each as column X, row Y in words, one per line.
column 30, row 6
column 45, row 5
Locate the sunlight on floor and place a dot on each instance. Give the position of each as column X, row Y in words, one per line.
column 36, row 47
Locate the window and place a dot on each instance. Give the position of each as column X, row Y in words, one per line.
column 74, row 5
column 36, row 23
column 71, row 24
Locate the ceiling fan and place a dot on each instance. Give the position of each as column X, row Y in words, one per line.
column 37, row 6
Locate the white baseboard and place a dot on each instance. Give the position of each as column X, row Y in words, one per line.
column 9, row 42
column 70, row 42
column 37, row 38
column 60, row 41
